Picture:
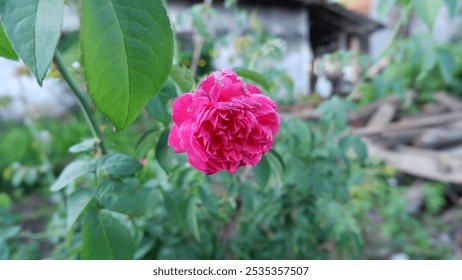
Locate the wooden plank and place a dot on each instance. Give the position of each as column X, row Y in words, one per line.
column 435, row 138
column 440, row 119
column 448, row 101
column 420, row 162
column 383, row 116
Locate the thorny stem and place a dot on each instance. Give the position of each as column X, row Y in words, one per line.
column 200, row 39
column 81, row 96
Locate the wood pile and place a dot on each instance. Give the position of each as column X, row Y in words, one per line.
column 427, row 144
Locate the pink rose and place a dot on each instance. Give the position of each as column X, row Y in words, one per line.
column 225, row 124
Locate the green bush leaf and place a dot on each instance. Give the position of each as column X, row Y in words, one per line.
column 427, row 11
column 447, row 65
column 9, row 232
column 452, row 7
column 105, row 237
column 84, row 146
column 5, row 200
column 4, row 251
column 71, row 172
column 288, row 85
column 6, row 50
column 176, row 206
column 127, row 52
column 147, row 141
column 262, row 172
column 183, row 78
column 18, row 176
column 157, row 107
column 164, row 154
column 253, row 76
column 34, row 28
column 385, row 7
column 122, row 198
column 191, row 217
column 76, row 203
column 118, row 164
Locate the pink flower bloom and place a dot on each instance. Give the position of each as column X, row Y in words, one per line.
column 225, row 124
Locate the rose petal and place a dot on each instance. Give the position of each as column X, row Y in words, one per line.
column 180, row 112
column 174, row 140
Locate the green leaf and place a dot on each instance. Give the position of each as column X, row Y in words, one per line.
column 288, row 84
column 447, row 65
column 18, row 176
column 6, row 50
column 84, row 146
column 147, row 141
column 253, row 76
column 164, row 154
column 31, row 176
column 198, row 12
column 360, row 148
column 429, row 60
column 191, row 217
column 5, row 200
column 76, row 203
column 71, row 172
column 105, row 237
column 452, row 7
column 157, row 107
column 176, row 206
column 385, row 6
column 277, row 163
column 9, row 232
column 262, row 172
column 229, row 3
column 127, row 52
column 182, row 78
column 34, row 28
column 427, row 11
column 120, row 197
column 4, row 251
column 118, row 164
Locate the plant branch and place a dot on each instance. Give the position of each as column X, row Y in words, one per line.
column 83, row 101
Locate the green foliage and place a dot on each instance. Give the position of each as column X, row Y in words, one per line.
column 385, row 6
column 105, row 237
column 127, row 54
column 76, row 204
column 310, row 197
column 387, row 226
column 121, row 197
column 164, row 153
column 183, row 78
column 117, row 165
column 6, row 50
column 158, row 106
column 262, row 172
column 420, row 63
column 452, row 7
column 427, row 11
column 70, row 173
column 33, row 28
column 254, row 77
column 434, row 196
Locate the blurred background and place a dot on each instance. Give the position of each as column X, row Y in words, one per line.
column 386, row 73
